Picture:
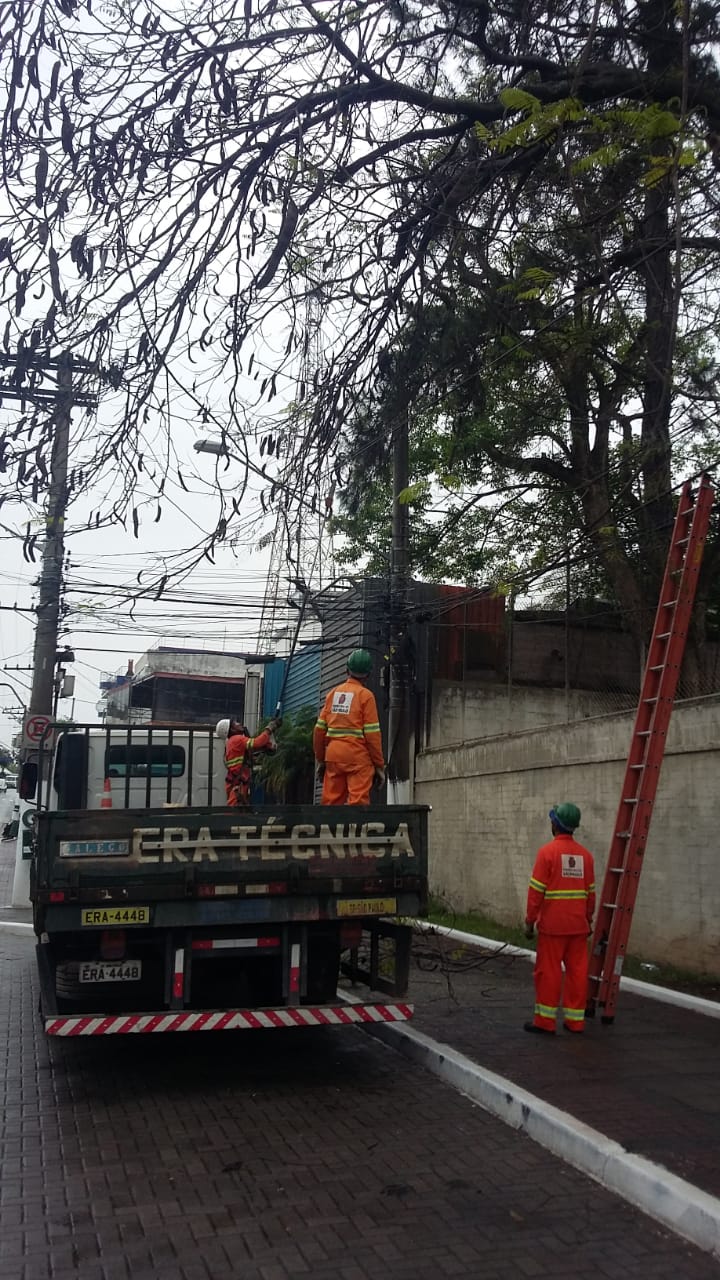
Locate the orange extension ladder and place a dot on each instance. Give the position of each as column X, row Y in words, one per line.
column 665, row 655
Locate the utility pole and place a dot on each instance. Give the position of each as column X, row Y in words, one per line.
column 48, row 608
column 398, row 747
column 26, row 384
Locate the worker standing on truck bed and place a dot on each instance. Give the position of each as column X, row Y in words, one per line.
column 239, row 750
column 346, row 739
column 561, row 899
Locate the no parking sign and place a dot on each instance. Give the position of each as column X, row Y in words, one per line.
column 34, row 730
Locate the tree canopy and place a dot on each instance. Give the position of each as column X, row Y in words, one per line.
column 179, row 181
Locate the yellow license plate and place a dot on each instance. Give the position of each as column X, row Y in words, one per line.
column 367, row 907
column 105, row 916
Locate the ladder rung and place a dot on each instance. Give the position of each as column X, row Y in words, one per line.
column 660, row 667
column 664, row 635
column 655, row 699
column 643, row 733
column 670, row 604
column 630, row 800
column 688, row 512
column 681, row 541
column 619, row 870
column 623, row 835
column 610, row 906
column 636, row 766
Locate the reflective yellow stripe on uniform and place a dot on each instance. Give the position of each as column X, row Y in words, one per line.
column 344, row 733
column 537, row 884
column 574, row 1015
column 566, row 894
column 321, row 724
column 371, row 728
column 234, row 760
column 545, row 1011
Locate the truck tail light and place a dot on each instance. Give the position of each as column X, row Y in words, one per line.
column 112, row 944
column 350, row 935
column 57, row 895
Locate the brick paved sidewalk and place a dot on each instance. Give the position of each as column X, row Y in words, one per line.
column 650, row 1081
column 281, row 1156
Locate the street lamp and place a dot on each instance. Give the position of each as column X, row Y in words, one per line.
column 4, row 685
column 216, row 447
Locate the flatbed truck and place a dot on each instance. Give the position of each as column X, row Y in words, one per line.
column 158, row 908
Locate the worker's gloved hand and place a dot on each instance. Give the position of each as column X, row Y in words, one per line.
column 273, row 724
column 320, row 770
column 529, row 930
column 379, row 778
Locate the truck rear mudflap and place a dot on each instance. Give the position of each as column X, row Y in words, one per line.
column 332, row 1015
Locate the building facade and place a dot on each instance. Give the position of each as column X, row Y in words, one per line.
column 169, row 685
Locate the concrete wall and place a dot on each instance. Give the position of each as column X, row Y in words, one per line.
column 192, row 662
column 489, row 815
column 600, row 657
column 462, row 712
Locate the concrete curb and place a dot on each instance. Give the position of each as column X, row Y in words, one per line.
column 694, row 1004
column 684, row 1208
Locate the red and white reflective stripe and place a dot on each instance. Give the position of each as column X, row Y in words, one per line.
column 224, row 944
column 179, row 974
column 295, row 966
column 230, row 1020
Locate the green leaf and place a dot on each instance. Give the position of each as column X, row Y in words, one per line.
column 413, row 493
column 519, row 100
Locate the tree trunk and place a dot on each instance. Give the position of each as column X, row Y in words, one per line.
column 663, row 44
column 637, row 611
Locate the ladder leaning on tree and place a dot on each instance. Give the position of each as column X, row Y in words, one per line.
column 647, row 747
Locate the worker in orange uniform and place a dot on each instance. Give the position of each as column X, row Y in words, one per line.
column 561, row 901
column 239, row 750
column 346, row 739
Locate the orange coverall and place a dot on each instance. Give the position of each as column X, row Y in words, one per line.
column 347, row 741
column 561, row 900
column 238, row 756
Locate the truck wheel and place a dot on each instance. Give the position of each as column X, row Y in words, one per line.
column 67, row 980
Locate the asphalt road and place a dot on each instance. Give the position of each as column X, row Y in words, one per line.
column 268, row 1155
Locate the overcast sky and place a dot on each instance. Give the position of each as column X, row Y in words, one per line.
column 217, row 606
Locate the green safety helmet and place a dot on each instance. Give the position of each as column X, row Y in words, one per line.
column 359, row 662
column 565, row 816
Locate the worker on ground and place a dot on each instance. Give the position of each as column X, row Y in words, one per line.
column 240, row 748
column 561, row 901
column 346, row 739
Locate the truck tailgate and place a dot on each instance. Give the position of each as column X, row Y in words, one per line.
column 146, row 856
